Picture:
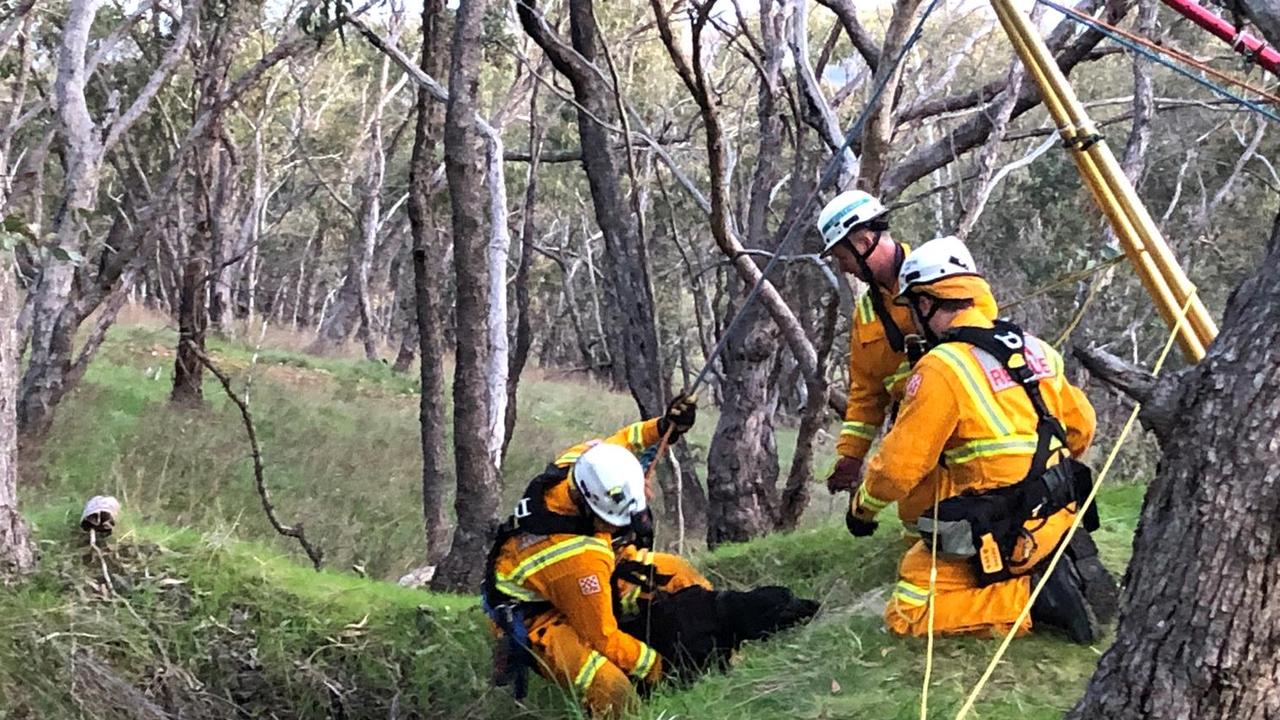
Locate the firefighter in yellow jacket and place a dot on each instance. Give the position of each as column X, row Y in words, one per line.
column 991, row 406
column 553, row 586
column 855, row 233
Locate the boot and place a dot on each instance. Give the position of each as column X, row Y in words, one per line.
column 1100, row 587
column 1061, row 604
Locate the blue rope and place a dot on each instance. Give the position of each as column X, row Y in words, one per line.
column 827, row 176
column 1164, row 61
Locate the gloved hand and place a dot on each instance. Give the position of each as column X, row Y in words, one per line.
column 859, row 524
column 845, row 475
column 680, row 415
column 642, row 529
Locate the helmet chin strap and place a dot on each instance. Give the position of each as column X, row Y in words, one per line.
column 892, row 332
column 925, row 318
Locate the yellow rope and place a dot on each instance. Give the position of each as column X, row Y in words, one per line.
column 1095, row 285
column 1064, row 280
column 1075, row 523
column 933, row 587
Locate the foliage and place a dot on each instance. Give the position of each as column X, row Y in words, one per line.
column 197, row 620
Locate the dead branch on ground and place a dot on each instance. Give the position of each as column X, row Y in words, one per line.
column 297, row 532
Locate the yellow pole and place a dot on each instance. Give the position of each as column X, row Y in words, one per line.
column 1115, row 196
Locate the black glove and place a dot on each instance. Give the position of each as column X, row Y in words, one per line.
column 845, row 475
column 680, row 415
column 859, row 527
column 642, row 529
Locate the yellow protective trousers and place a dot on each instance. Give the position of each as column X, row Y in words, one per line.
column 562, row 656
column 961, row 607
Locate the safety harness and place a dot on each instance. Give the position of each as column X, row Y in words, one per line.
column 513, row 656
column 986, row 526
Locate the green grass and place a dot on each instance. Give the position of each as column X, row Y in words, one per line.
column 223, row 610
column 339, row 439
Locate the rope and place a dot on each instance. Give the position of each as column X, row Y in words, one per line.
column 933, row 586
column 1094, row 287
column 1075, row 523
column 1107, row 31
column 828, row 174
column 1178, row 54
column 1064, row 280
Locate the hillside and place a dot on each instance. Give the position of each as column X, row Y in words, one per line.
column 219, row 613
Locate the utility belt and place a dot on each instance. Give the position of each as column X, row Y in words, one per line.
column 985, row 527
column 513, row 654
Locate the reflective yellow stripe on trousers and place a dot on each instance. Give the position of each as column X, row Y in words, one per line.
column 909, row 594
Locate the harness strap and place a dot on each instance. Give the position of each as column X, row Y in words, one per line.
column 1007, row 344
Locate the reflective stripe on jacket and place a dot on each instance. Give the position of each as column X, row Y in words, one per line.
column 961, row 406
column 574, row 572
column 876, row 374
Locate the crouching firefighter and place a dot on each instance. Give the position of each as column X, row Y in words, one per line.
column 990, row 405
column 553, row 586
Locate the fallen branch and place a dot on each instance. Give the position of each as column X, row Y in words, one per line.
column 294, row 531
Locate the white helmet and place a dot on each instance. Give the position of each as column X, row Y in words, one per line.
column 936, row 260
column 849, row 208
column 612, row 481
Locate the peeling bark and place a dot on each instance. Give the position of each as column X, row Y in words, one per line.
column 1199, row 628
column 17, row 551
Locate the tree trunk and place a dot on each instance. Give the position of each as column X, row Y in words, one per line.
column 1197, row 636
column 188, row 372
column 476, row 502
column 428, row 277
column 351, row 306
column 742, row 462
column 498, row 251
column 522, row 331
column 17, row 551
column 212, row 181
column 624, row 262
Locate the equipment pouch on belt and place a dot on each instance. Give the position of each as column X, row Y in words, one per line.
column 985, row 527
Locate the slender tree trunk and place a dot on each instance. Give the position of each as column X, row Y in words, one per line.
column 476, row 501
column 1197, row 636
column 352, row 308
column 624, row 260
column 17, row 551
column 211, row 188
column 523, row 333
column 498, row 250
column 188, row 372
column 428, row 278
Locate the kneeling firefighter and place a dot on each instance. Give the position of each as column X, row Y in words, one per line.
column 556, row 585
column 989, row 405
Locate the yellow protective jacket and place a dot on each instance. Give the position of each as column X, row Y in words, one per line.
column 960, row 405
column 876, row 373
column 573, row 572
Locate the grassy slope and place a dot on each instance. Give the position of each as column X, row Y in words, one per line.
column 224, row 605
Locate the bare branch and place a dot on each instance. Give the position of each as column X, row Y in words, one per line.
column 817, row 112
column 158, row 77
column 296, row 532
column 1158, row 396
column 862, row 40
